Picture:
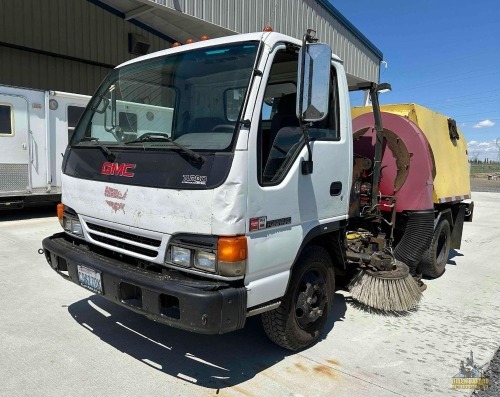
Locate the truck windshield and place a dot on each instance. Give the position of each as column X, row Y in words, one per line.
column 193, row 98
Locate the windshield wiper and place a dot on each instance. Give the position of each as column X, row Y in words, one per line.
column 110, row 156
column 160, row 137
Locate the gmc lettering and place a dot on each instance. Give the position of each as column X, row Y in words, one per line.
column 118, row 169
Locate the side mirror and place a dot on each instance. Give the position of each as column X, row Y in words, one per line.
column 313, row 82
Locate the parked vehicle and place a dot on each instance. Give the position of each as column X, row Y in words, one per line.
column 34, row 129
column 252, row 193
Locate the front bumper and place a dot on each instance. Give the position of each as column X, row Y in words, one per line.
column 187, row 304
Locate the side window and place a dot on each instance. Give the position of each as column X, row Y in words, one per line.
column 74, row 114
column 280, row 137
column 6, row 127
column 273, row 94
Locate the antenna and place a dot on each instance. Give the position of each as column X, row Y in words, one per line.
column 497, row 142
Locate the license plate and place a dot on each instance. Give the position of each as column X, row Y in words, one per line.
column 89, row 279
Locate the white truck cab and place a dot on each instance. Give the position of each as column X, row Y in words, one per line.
column 190, row 195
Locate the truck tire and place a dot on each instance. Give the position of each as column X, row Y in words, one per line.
column 304, row 309
column 433, row 262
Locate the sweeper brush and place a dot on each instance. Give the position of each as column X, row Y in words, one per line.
column 388, row 291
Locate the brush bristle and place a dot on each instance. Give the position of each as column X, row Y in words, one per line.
column 387, row 295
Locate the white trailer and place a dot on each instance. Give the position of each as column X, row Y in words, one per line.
column 34, row 129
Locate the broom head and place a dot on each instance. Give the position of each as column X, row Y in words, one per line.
column 386, row 291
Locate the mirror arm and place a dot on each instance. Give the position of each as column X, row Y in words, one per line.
column 307, row 166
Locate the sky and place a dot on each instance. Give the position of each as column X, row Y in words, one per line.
column 441, row 54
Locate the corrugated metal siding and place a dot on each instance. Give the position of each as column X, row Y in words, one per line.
column 73, row 28
column 291, row 17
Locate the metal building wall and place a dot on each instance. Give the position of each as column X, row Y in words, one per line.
column 68, row 28
column 291, row 17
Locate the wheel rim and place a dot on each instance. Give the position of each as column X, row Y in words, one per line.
column 310, row 299
column 442, row 247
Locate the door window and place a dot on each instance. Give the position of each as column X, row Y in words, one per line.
column 6, row 127
column 280, row 136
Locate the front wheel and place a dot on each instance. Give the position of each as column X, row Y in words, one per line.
column 433, row 262
column 303, row 312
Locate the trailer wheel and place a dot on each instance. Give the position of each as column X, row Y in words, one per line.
column 303, row 312
column 433, row 262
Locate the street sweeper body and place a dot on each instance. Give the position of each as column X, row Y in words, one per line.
column 246, row 199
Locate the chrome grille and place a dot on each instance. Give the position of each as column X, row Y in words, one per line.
column 125, row 246
column 124, row 235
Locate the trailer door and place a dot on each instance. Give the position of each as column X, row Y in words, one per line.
column 14, row 145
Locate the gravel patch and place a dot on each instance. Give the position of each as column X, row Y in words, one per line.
column 493, row 373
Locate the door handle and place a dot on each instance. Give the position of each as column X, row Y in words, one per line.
column 335, row 188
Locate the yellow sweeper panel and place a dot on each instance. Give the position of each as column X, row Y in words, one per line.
column 452, row 181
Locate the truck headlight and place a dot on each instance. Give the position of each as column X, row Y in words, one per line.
column 223, row 256
column 205, row 261
column 73, row 226
column 181, row 256
column 69, row 220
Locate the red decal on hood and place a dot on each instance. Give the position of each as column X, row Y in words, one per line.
column 116, row 194
column 116, row 206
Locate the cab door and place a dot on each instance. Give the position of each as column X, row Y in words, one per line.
column 284, row 204
column 14, row 145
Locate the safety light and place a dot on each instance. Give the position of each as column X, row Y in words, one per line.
column 189, row 41
column 60, row 213
column 176, row 44
column 267, row 29
column 232, row 249
column 204, row 37
column 232, row 255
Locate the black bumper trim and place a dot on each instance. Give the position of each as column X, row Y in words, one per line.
column 197, row 310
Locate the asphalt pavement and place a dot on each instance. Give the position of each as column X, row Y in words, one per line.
column 58, row 339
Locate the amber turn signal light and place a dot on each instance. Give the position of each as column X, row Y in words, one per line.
column 60, row 212
column 232, row 249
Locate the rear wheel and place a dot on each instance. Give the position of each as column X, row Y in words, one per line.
column 303, row 312
column 433, row 262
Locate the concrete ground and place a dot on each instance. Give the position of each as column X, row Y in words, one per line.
column 57, row 339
